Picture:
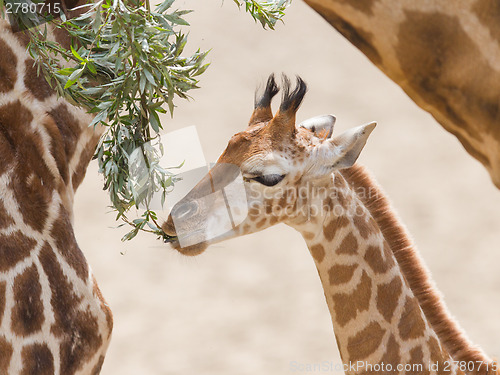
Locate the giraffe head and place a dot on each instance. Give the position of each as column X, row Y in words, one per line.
column 280, row 165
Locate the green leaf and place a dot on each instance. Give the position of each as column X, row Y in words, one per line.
column 164, row 6
column 65, row 71
column 149, row 77
column 75, row 53
column 100, row 117
column 77, row 73
column 142, row 83
column 69, row 83
column 91, row 67
column 154, row 120
column 176, row 19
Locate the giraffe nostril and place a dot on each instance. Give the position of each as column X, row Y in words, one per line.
column 186, row 210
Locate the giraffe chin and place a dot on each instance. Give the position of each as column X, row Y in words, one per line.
column 192, row 250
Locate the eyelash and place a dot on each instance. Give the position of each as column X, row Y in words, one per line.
column 269, row 179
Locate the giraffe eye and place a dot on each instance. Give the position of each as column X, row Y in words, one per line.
column 269, row 179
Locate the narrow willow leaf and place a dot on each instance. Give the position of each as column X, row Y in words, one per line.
column 75, row 53
column 164, row 6
column 174, row 18
column 154, row 120
column 91, row 67
column 142, row 83
column 149, row 77
column 69, row 83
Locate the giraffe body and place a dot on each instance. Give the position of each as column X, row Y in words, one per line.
column 384, row 307
column 444, row 55
column 53, row 318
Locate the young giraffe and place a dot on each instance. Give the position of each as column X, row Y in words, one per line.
column 53, row 319
column 444, row 54
column 383, row 304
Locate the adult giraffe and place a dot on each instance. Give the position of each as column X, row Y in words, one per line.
column 444, row 54
column 53, row 318
column 386, row 313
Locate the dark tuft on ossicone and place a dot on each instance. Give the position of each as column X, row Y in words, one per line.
column 270, row 91
column 292, row 100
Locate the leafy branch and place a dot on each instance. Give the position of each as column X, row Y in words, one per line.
column 126, row 65
column 266, row 12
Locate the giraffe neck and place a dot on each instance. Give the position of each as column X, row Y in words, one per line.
column 458, row 85
column 377, row 313
column 53, row 318
column 30, row 109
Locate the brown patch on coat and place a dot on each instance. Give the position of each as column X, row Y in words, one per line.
column 434, row 349
column 57, row 148
column 8, row 66
column 37, row 359
column 388, row 296
column 62, row 233
column 417, row 361
column 341, row 274
column 488, row 13
column 349, row 245
column 416, row 275
column 32, row 181
column 32, row 193
column 268, row 205
column 330, row 230
column 391, row 355
column 344, row 200
column 458, row 83
column 6, row 150
column 62, row 37
column 254, row 211
column 439, row 356
column 97, row 368
column 5, row 218
column 85, row 157
column 308, row 235
column 3, row 287
column 77, row 329
column 27, row 313
column 22, row 37
column 261, row 223
column 411, row 324
column 363, row 227
column 14, row 248
column 6, row 351
column 68, row 126
column 347, row 306
column 318, row 252
column 36, row 84
column 377, row 263
column 14, row 118
column 365, row 342
column 104, row 307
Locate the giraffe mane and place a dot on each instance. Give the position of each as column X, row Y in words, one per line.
column 413, row 268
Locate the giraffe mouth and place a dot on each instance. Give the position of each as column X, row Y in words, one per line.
column 170, row 239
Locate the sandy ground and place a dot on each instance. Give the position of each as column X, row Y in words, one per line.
column 255, row 304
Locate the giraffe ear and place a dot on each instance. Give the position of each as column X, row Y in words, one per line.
column 321, row 126
column 347, row 146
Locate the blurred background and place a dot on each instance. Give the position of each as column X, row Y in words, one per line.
column 255, row 304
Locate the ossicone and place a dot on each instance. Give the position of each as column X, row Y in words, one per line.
column 292, row 99
column 262, row 109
